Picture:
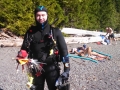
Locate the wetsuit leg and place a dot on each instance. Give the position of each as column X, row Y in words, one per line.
column 39, row 82
column 51, row 78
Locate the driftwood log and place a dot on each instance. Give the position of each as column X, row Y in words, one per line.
column 7, row 39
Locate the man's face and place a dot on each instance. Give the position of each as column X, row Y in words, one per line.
column 41, row 16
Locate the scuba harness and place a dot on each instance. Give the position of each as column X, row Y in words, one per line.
column 51, row 44
column 53, row 55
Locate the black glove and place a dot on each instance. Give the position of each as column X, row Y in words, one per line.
column 65, row 75
column 33, row 87
column 62, row 81
column 63, row 78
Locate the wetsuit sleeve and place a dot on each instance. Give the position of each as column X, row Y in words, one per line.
column 61, row 43
column 62, row 46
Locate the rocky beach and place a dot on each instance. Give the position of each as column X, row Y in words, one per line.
column 84, row 74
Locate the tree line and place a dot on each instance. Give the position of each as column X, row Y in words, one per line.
column 18, row 15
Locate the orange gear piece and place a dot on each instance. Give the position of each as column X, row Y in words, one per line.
column 23, row 61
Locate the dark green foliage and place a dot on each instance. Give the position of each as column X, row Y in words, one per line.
column 117, row 5
column 18, row 15
column 108, row 14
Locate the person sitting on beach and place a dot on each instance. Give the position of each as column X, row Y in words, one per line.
column 89, row 53
column 111, row 35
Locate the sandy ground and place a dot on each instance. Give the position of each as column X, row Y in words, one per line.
column 84, row 74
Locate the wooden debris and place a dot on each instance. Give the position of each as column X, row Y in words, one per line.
column 8, row 39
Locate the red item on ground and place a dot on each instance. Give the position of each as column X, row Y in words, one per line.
column 98, row 43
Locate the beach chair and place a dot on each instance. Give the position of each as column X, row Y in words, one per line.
column 102, row 53
column 84, row 58
column 88, row 58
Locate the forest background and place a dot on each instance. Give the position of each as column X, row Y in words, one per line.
column 18, row 15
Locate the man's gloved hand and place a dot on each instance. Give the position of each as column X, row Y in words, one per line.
column 62, row 80
column 59, row 81
column 65, row 75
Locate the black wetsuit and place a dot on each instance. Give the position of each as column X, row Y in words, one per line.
column 38, row 47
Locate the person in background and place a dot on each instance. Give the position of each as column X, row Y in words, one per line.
column 111, row 35
column 89, row 53
column 46, row 44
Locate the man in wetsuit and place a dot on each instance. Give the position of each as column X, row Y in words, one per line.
column 38, row 43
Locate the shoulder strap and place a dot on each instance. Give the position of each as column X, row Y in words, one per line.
column 30, row 33
column 29, row 39
column 52, row 32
